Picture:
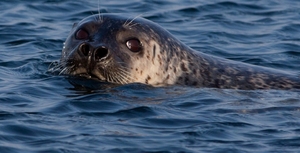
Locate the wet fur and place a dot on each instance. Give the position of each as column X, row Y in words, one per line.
column 163, row 61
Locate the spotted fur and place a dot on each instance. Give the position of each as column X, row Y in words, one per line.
column 163, row 60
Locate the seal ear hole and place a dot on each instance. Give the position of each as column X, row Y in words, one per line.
column 82, row 34
column 134, row 45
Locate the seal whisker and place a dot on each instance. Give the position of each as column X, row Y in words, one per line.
column 63, row 70
column 58, row 67
column 117, row 74
column 53, row 66
column 122, row 77
column 132, row 25
column 117, row 79
column 99, row 13
column 110, row 78
column 107, row 76
column 128, row 24
column 114, row 75
column 125, row 73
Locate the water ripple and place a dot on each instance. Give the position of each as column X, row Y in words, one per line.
column 42, row 112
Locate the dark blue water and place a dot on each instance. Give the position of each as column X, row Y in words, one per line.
column 40, row 112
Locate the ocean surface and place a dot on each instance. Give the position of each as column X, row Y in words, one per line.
column 44, row 113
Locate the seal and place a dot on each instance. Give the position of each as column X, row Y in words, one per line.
column 119, row 50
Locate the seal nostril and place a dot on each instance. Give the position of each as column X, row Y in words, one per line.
column 100, row 53
column 84, row 49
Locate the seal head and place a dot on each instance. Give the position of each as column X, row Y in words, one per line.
column 120, row 50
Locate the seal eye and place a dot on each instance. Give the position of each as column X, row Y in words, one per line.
column 81, row 34
column 134, row 45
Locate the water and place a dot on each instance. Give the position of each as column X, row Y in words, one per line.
column 40, row 112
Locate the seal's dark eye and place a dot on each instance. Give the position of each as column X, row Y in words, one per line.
column 134, row 45
column 81, row 34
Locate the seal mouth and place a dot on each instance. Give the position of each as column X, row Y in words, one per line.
column 90, row 76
